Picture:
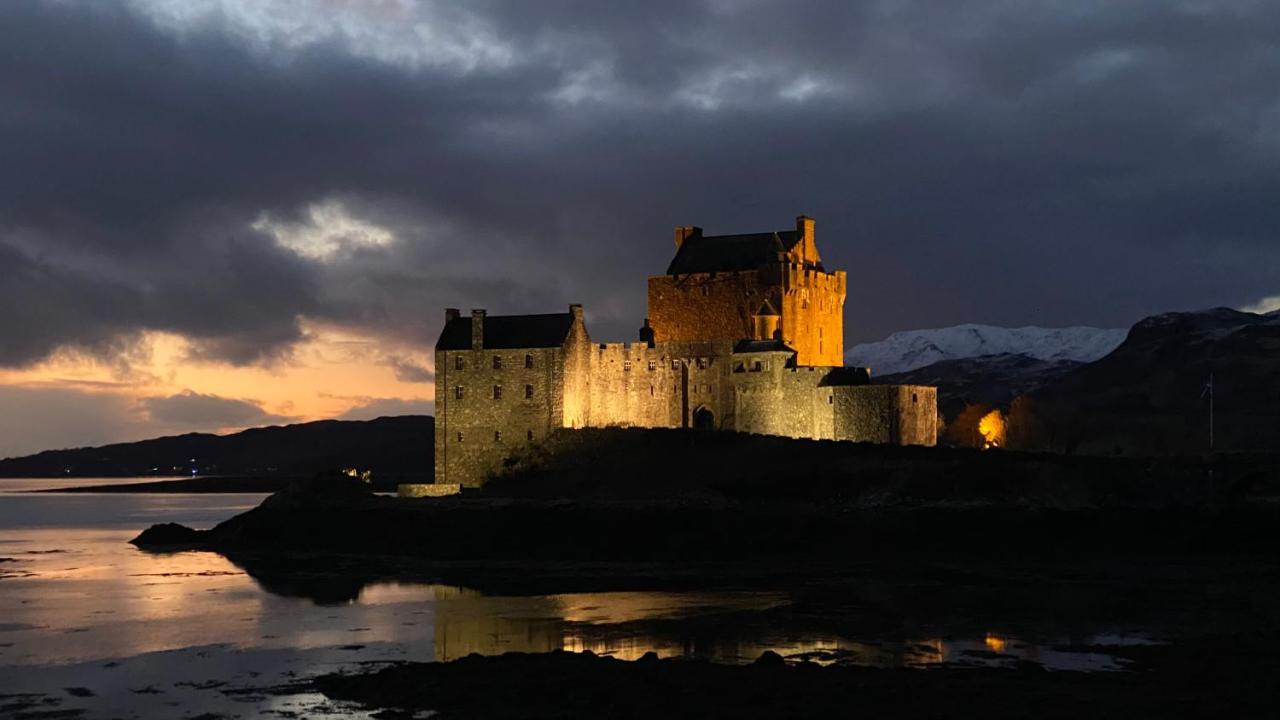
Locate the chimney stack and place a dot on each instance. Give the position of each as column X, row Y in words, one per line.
column 576, row 311
column 451, row 314
column 808, row 246
column 686, row 232
column 477, row 329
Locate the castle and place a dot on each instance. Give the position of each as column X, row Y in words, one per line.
column 744, row 333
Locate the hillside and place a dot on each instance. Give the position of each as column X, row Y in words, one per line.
column 992, row 380
column 1148, row 395
column 387, row 446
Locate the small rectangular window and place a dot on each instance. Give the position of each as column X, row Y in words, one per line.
column 458, row 362
column 831, row 399
column 675, row 364
column 528, row 435
column 497, row 436
column 757, row 366
column 702, row 363
column 650, row 391
column 459, row 437
column 626, row 366
column 458, row 392
column 497, row 362
column 914, row 398
column 497, row 392
column 528, row 391
column 652, row 366
column 528, row 360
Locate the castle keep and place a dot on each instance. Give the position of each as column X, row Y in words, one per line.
column 745, row 333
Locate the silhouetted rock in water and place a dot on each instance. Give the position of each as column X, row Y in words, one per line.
column 168, row 535
column 1173, row 681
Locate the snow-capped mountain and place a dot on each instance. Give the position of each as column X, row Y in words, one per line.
column 911, row 349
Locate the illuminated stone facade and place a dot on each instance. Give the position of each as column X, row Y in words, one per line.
column 745, row 333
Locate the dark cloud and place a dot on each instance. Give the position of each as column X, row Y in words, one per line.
column 409, row 371
column 373, row 408
column 1009, row 163
column 194, row 409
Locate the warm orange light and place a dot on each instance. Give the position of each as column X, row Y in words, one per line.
column 995, row 643
column 991, row 427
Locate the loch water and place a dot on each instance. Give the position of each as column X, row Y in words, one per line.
column 89, row 622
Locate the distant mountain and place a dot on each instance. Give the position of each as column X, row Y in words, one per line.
column 912, row 349
column 991, row 380
column 1150, row 393
column 389, row 446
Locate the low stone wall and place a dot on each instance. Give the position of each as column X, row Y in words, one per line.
column 421, row 490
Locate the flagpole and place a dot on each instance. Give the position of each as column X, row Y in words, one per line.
column 1210, row 411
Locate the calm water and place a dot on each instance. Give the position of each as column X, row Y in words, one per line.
column 87, row 621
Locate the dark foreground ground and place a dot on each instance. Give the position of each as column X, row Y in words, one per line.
column 873, row 544
column 1166, row 682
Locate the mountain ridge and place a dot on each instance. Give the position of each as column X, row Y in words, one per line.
column 909, row 350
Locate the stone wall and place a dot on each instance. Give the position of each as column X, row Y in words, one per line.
column 722, row 306
column 705, row 306
column 477, row 428
column 896, row 414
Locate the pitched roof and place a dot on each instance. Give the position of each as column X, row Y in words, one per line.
column 504, row 332
column 729, row 253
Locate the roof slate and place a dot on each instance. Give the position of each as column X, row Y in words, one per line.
column 505, row 332
column 730, row 253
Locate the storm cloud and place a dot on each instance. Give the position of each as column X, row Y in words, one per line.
column 227, row 170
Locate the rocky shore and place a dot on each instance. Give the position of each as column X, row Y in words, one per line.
column 1166, row 681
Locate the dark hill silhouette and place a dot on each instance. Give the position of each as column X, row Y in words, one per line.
column 1148, row 395
column 389, row 446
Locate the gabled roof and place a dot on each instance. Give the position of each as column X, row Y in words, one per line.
column 730, row 253
column 505, row 332
column 767, row 309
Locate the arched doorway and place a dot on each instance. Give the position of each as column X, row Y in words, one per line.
column 704, row 419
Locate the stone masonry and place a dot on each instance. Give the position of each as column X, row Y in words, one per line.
column 745, row 333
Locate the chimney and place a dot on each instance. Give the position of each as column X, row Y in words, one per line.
column 451, row 314
column 477, row 329
column 686, row 232
column 809, row 248
column 646, row 333
column 576, row 311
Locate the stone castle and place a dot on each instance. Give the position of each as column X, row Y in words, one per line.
column 745, row 333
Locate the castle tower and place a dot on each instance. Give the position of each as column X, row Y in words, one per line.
column 717, row 286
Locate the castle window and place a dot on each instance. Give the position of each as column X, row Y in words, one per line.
column 702, row 363
column 650, row 391
column 675, row 364
column 497, row 392
column 458, row 362
column 528, row 435
column 528, row 392
column 497, row 362
column 459, row 392
column 459, row 436
column 831, row 399
column 706, row 291
column 497, row 436
column 739, row 367
column 914, row 398
column 528, row 360
column 652, row 366
column 757, row 366
column 626, row 366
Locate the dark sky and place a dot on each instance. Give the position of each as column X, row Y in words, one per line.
column 230, row 171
